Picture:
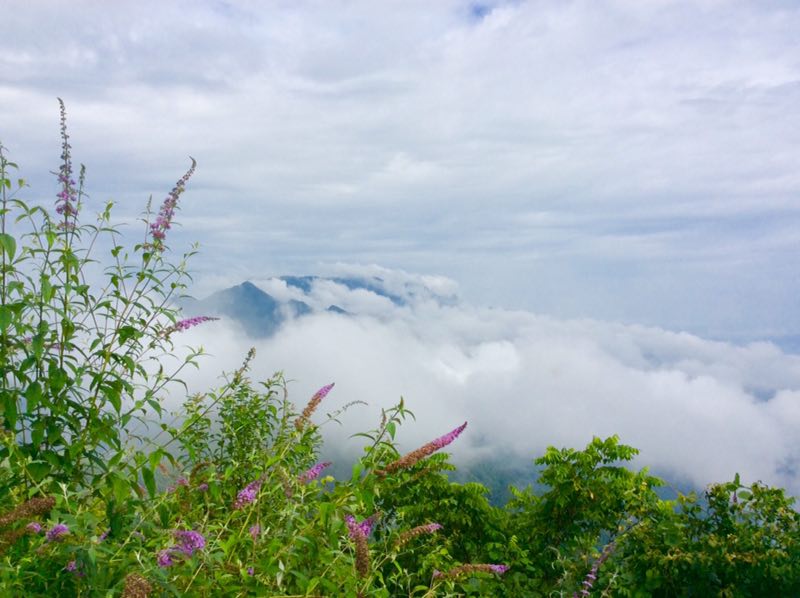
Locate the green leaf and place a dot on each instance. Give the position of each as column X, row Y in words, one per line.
column 113, row 394
column 39, row 469
column 6, row 316
column 9, row 406
column 121, row 488
column 357, row 469
column 8, row 244
column 149, row 481
column 33, row 396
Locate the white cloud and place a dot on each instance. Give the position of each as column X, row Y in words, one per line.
column 700, row 411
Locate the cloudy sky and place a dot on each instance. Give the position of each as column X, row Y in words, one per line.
column 619, row 180
column 628, row 161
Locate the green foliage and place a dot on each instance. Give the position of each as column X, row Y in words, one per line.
column 226, row 499
column 737, row 541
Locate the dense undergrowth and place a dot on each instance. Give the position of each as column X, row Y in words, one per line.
column 103, row 493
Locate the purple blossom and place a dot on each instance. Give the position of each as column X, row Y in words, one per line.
column 191, row 322
column 183, row 325
column 72, row 567
column 34, row 527
column 432, row 527
column 312, row 473
column 103, row 536
column 312, row 405
column 189, row 541
column 255, row 531
column 66, row 204
column 499, row 569
column 202, row 487
column 247, row 495
column 425, row 450
column 443, row 441
column 251, row 571
column 164, row 559
column 163, row 222
column 363, row 528
column 55, row 532
column 591, row 577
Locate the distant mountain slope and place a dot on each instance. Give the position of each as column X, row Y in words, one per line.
column 261, row 313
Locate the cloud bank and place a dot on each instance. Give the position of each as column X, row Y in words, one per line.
column 699, row 410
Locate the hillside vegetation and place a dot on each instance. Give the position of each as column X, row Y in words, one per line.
column 104, row 493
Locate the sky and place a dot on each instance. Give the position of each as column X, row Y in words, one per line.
column 612, row 187
column 627, row 161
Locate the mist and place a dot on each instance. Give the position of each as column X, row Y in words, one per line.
column 699, row 410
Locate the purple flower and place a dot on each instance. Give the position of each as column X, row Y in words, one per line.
column 189, row 541
column 202, row 487
column 425, row 450
column 103, row 536
column 443, row 441
column 312, row 473
column 499, row 569
column 248, row 494
column 183, row 325
column 312, row 405
column 364, row 528
column 255, row 531
column 55, row 532
column 191, row 322
column 34, row 527
column 163, row 222
column 72, row 567
column 251, row 571
column 164, row 559
column 66, row 204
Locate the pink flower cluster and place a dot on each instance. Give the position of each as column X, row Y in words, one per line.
column 66, row 205
column 591, row 577
column 423, row 451
column 312, row 473
column 55, row 533
column 312, row 405
column 163, row 222
column 183, row 325
column 248, row 494
column 189, row 542
column 363, row 528
column 255, row 531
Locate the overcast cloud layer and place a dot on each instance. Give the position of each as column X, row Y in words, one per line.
column 700, row 411
column 628, row 161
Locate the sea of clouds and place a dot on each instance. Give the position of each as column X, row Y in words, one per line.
column 699, row 410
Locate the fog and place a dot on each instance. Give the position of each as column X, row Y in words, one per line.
column 699, row 410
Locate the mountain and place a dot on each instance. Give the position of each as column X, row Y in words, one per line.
column 262, row 313
column 258, row 312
